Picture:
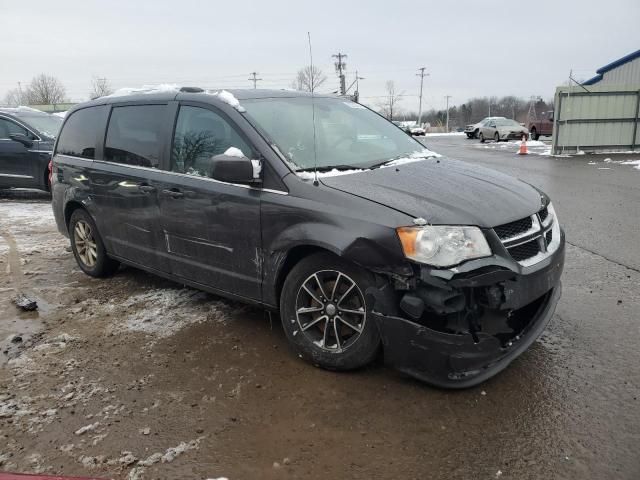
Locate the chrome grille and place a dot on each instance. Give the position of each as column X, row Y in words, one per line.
column 527, row 238
column 513, row 229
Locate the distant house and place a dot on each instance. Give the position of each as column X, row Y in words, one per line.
column 624, row 71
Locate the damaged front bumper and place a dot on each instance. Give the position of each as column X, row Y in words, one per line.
column 458, row 331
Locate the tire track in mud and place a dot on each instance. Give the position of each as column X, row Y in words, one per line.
column 14, row 269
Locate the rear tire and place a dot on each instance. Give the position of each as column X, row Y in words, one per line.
column 87, row 246
column 534, row 134
column 324, row 314
column 496, row 137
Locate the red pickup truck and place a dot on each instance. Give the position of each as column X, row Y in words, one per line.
column 542, row 127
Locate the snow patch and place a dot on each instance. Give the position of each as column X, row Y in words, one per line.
column 87, row 428
column 163, row 312
column 636, row 163
column 60, row 114
column 413, row 157
column 234, row 152
column 228, row 98
column 331, row 173
column 22, row 109
column 146, row 89
column 444, row 134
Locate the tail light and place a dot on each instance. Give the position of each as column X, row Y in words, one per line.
column 50, row 171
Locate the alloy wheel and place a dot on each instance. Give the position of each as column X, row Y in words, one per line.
column 330, row 310
column 85, row 243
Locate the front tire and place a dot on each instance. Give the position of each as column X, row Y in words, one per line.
column 324, row 314
column 496, row 137
column 481, row 137
column 87, row 246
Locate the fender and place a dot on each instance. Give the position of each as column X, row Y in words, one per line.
column 378, row 252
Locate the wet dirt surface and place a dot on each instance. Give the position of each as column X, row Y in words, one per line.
column 137, row 377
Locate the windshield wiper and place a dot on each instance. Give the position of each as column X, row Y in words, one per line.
column 391, row 160
column 327, row 168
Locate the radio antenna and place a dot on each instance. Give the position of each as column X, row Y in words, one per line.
column 313, row 115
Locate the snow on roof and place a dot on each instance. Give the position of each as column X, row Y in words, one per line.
column 60, row 114
column 145, row 89
column 22, row 109
column 228, row 98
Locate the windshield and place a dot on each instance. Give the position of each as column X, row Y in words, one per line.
column 48, row 125
column 504, row 122
column 348, row 135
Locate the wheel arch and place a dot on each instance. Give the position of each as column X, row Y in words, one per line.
column 70, row 207
column 291, row 258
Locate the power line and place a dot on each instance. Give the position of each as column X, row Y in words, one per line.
column 254, row 78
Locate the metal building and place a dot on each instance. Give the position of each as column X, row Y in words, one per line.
column 601, row 114
column 624, row 71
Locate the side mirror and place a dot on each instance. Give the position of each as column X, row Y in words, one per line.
column 20, row 138
column 233, row 169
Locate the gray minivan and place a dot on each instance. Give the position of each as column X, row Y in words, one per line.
column 366, row 242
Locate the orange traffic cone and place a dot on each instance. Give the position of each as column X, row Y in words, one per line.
column 523, row 146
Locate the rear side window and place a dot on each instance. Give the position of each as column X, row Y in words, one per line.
column 78, row 137
column 134, row 135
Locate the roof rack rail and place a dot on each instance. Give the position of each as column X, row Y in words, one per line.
column 191, row 90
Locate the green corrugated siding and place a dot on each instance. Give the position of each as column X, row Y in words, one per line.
column 599, row 107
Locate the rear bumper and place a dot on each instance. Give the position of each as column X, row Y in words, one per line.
column 460, row 360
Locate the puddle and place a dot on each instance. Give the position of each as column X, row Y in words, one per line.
column 23, row 324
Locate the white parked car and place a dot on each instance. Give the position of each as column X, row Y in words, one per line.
column 502, row 129
column 473, row 129
column 416, row 130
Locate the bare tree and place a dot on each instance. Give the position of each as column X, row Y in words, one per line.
column 100, row 87
column 309, row 79
column 45, row 90
column 391, row 100
column 15, row 97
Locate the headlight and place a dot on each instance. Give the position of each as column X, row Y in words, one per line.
column 443, row 246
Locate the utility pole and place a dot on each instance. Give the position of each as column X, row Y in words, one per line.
column 356, row 94
column 447, row 97
column 532, row 114
column 254, row 78
column 340, row 68
column 421, row 75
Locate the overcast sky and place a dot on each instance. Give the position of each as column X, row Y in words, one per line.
column 469, row 48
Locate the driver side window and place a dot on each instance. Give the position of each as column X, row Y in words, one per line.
column 199, row 135
column 7, row 127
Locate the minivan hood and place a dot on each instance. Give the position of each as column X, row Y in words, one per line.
column 444, row 191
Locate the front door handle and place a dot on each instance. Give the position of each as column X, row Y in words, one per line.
column 143, row 187
column 173, row 193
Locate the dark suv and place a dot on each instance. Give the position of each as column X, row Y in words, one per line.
column 26, row 143
column 320, row 208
